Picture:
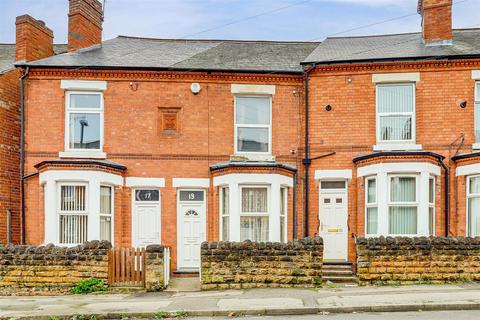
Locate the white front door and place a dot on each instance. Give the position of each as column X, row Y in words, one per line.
column 191, row 227
column 333, row 229
column 146, row 224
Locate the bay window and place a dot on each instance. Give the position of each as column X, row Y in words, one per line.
column 473, row 206
column 254, row 214
column 400, row 198
column 84, row 121
column 253, row 124
column 396, row 113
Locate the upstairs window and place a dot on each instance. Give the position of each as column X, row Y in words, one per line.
column 84, row 121
column 477, row 112
column 253, row 124
column 396, row 113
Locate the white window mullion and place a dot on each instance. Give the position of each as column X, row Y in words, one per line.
column 235, row 203
column 274, row 211
column 422, row 215
column 93, row 208
column 382, row 196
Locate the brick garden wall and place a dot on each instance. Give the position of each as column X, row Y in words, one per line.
column 248, row 264
column 50, row 270
column 417, row 260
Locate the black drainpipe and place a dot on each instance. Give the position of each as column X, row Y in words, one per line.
column 22, row 150
column 307, row 160
column 295, row 205
column 447, row 197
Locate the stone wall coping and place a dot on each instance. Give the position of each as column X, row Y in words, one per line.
column 295, row 244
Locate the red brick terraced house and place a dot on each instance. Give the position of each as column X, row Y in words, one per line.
column 33, row 41
column 142, row 141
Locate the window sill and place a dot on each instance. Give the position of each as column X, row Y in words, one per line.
column 252, row 157
column 83, row 154
column 476, row 146
column 397, row 147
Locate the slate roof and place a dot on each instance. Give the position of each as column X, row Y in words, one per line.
column 212, row 55
column 408, row 46
column 7, row 55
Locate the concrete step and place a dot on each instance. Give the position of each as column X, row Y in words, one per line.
column 339, row 273
column 340, row 279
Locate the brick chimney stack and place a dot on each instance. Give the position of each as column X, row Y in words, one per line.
column 85, row 19
column 436, row 21
column 33, row 39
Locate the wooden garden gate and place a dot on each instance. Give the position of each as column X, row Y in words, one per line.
column 126, row 267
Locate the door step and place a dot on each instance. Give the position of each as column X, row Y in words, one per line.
column 339, row 272
column 181, row 273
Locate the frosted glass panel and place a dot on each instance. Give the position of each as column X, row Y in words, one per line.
column 402, row 220
column 395, row 99
column 254, row 200
column 395, row 128
column 402, row 189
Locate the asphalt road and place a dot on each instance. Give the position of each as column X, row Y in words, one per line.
column 440, row 315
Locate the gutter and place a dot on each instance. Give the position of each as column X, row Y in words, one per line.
column 22, row 151
column 307, row 161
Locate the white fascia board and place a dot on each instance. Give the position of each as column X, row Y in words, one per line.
column 83, row 85
column 468, row 169
column 396, row 77
column 191, row 182
column 145, row 182
column 254, row 178
column 80, row 176
column 476, row 74
column 333, row 174
column 252, row 89
column 399, row 167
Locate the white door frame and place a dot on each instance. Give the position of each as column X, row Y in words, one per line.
column 343, row 192
column 134, row 218
column 180, row 221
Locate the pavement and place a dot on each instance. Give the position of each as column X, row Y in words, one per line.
column 247, row 302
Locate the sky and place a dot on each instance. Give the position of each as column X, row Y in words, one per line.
column 237, row 19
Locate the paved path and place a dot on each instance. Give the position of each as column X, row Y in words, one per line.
column 251, row 302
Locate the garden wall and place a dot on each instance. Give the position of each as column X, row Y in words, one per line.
column 49, row 270
column 417, row 260
column 234, row 265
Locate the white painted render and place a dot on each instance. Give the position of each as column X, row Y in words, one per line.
column 396, row 146
column 399, row 167
column 83, row 85
column 140, row 182
column 333, row 174
column 468, row 169
column 190, row 182
column 476, row 74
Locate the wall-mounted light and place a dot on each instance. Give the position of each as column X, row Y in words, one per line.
column 133, row 86
column 328, row 107
column 463, row 104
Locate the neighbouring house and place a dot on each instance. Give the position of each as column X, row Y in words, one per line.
column 33, row 41
column 141, row 141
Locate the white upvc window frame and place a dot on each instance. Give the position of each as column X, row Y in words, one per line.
column 69, row 111
column 237, row 126
column 469, row 196
column 407, row 143
column 61, row 212
column 256, row 214
column 371, row 204
column 476, row 115
column 222, row 213
column 415, row 204
column 112, row 208
column 284, row 192
column 431, row 204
